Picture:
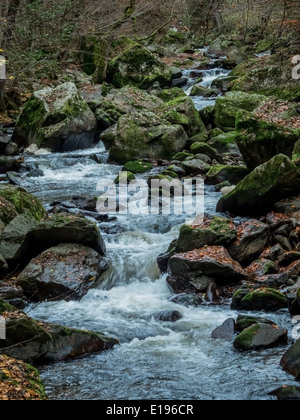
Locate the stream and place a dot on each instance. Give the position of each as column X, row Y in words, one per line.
column 155, row 360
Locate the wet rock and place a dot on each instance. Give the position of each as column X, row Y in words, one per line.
column 11, row 149
column 167, row 316
column 286, row 393
column 246, row 321
column 163, row 259
column 274, row 281
column 195, row 167
column 252, row 237
column 40, row 343
column 85, row 203
column 199, row 268
column 24, row 238
column 8, row 163
column 215, row 231
column 54, row 116
column 3, row 266
column 67, row 271
column 225, row 331
column 263, row 299
column 287, row 206
column 268, row 183
column 261, row 336
column 180, row 82
column 211, row 294
column 108, row 136
column 188, row 300
column 290, row 362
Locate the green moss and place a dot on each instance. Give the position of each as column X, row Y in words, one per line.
column 246, row 321
column 220, row 173
column 168, row 95
column 137, row 167
column 174, row 37
column 23, row 202
column 32, row 118
column 204, row 149
column 5, row 307
column 181, row 156
column 7, row 211
column 245, row 339
column 125, row 176
column 263, row 294
column 170, row 174
column 94, row 57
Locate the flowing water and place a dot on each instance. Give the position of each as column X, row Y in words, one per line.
column 155, row 360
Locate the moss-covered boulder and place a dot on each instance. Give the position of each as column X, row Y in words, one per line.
column 225, row 142
column 182, row 111
column 56, row 118
column 246, row 321
column 261, row 336
column 168, row 95
column 67, row 271
column 263, row 299
column 220, row 173
column 287, row 393
column 38, row 343
column 203, row 92
column 16, row 201
column 263, row 75
column 94, row 57
column 196, row 166
column 267, row 184
column 146, row 135
column 205, row 149
column 259, row 140
column 137, row 167
column 227, row 107
column 215, row 231
column 137, row 66
column 290, row 362
column 20, row 381
column 24, row 238
column 181, row 156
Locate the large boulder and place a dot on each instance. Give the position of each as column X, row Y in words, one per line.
column 261, row 336
column 56, row 118
column 259, row 140
column 267, row 184
column 20, row 381
column 263, row 299
column 182, row 111
column 67, row 271
column 225, row 142
column 24, row 238
column 197, row 269
column 263, row 75
column 290, row 362
column 20, row 202
column 137, row 66
column 215, row 231
column 227, row 107
column 39, row 343
column 145, row 135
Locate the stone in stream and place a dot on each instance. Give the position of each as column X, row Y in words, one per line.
column 290, row 362
column 263, row 299
column 196, row 270
column 261, row 336
column 54, row 116
column 40, row 343
column 256, row 193
column 188, row 300
column 286, row 393
column 67, row 271
column 221, row 173
column 246, row 321
column 167, row 316
column 225, row 331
